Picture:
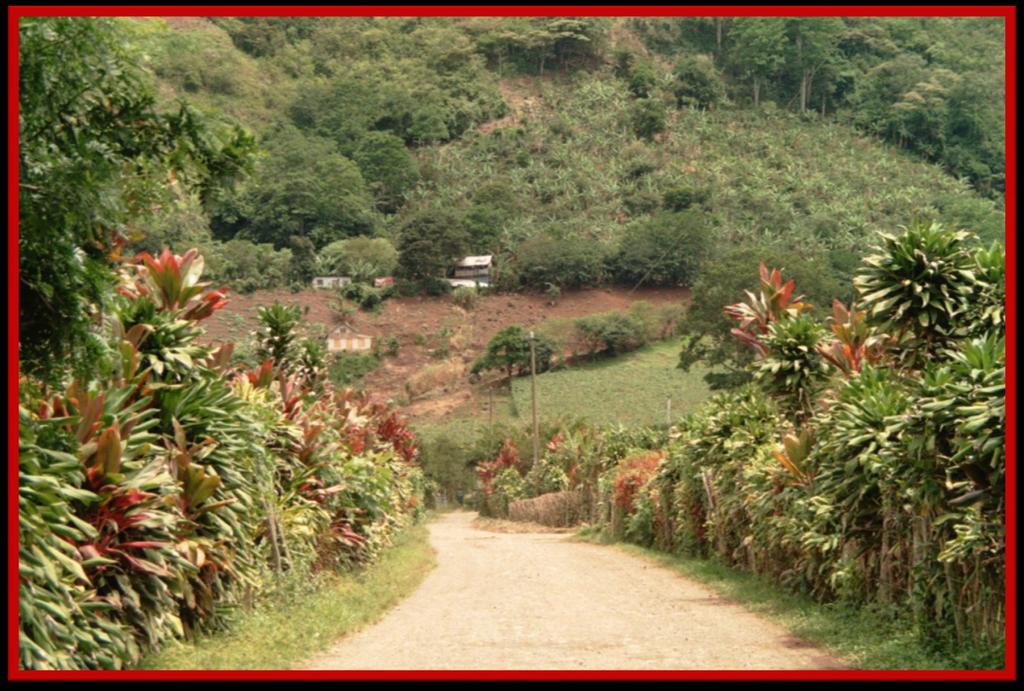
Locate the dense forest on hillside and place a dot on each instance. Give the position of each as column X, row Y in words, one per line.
column 580, row 149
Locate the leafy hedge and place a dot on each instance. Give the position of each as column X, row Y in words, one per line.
column 865, row 465
column 174, row 485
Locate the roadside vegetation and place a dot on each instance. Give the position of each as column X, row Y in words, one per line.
column 863, row 466
column 829, row 191
column 286, row 630
column 163, row 484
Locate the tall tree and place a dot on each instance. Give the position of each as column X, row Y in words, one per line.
column 303, row 187
column 759, row 49
column 429, row 242
column 94, row 153
column 814, row 43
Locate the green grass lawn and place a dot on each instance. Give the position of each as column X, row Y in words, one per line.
column 286, row 631
column 631, row 389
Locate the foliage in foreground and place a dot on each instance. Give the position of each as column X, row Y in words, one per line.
column 314, row 612
column 94, row 154
column 155, row 499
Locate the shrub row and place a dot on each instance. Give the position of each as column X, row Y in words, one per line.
column 555, row 509
column 175, row 485
column 864, row 465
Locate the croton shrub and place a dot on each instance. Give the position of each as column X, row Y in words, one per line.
column 176, row 485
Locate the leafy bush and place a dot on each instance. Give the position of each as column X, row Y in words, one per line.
column 509, row 350
column 567, row 263
column 466, row 298
column 276, row 334
column 920, row 283
column 682, row 197
column 366, row 296
column 666, row 249
column 792, row 369
column 347, row 369
column 647, row 117
column 361, row 258
column 698, row 83
column 391, row 345
column 642, row 78
column 613, row 333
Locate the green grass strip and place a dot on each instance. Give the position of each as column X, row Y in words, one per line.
column 286, row 631
column 864, row 637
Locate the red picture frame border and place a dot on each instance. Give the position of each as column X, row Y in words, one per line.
column 1007, row 12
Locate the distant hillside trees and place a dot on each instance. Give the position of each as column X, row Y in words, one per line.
column 429, row 243
column 933, row 86
column 303, row 187
column 388, row 168
column 697, row 82
column 564, row 262
column 533, row 43
column 760, row 50
column 648, row 117
column 493, row 207
column 664, row 249
column 360, row 257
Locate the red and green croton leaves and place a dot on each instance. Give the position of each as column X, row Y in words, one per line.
column 172, row 282
column 774, row 302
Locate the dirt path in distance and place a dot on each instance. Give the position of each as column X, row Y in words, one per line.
column 543, row 601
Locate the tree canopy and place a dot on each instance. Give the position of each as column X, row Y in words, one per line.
column 94, row 153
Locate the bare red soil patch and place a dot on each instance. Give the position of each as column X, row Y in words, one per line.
column 416, row 322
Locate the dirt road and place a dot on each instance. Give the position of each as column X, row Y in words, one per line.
column 543, row 601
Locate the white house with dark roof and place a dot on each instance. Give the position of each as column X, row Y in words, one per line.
column 472, row 271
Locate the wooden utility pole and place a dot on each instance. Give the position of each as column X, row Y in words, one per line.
column 272, row 530
column 533, row 396
column 668, row 412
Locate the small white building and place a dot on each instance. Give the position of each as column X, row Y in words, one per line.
column 464, row 283
column 345, row 339
column 331, row 281
column 474, row 269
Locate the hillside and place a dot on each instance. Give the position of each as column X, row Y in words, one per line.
column 572, row 160
column 436, row 339
column 613, row 139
